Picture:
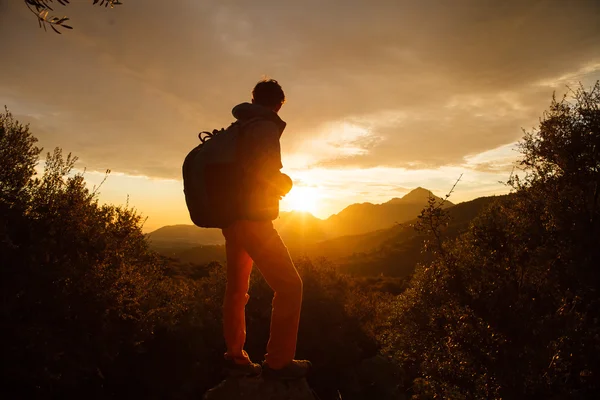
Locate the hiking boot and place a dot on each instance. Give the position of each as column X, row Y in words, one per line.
column 242, row 370
column 296, row 369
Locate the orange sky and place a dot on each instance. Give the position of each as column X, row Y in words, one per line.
column 383, row 96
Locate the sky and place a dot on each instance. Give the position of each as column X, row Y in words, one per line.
column 382, row 96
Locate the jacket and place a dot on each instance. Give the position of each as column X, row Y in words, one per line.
column 262, row 184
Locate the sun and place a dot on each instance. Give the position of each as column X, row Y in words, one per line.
column 302, row 198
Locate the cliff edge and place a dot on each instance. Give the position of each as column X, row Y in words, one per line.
column 260, row 389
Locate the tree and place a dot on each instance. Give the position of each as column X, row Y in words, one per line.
column 17, row 150
column 88, row 310
column 509, row 310
column 80, row 286
column 43, row 8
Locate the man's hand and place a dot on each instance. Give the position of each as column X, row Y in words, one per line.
column 282, row 185
column 285, row 185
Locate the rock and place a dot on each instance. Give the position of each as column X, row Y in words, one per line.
column 377, row 378
column 260, row 389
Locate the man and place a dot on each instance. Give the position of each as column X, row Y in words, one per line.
column 253, row 238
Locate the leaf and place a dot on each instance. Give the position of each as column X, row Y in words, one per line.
column 55, row 30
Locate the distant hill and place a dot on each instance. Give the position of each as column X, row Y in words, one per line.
column 293, row 227
column 296, row 229
column 393, row 251
column 397, row 250
column 368, row 217
column 300, row 229
column 185, row 235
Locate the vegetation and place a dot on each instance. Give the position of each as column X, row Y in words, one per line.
column 391, row 251
column 510, row 309
column 507, row 309
column 79, row 285
column 89, row 310
column 44, row 8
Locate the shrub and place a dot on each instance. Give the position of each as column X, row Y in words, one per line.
column 80, row 286
column 509, row 310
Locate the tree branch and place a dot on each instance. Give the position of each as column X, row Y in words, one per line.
column 42, row 8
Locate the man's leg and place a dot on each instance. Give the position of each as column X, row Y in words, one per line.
column 239, row 266
column 273, row 260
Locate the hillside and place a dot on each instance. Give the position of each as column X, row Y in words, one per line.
column 300, row 229
column 395, row 251
column 184, row 236
column 368, row 217
column 392, row 252
column 293, row 227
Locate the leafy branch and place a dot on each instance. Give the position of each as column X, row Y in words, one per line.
column 43, row 9
column 434, row 219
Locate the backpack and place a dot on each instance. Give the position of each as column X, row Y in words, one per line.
column 213, row 177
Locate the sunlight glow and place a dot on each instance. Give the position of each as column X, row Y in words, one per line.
column 302, row 198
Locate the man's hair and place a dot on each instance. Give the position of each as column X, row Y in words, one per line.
column 268, row 93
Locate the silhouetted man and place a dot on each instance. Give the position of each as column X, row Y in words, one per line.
column 253, row 238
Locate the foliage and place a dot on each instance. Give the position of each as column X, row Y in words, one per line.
column 89, row 310
column 79, row 283
column 337, row 328
column 19, row 154
column 434, row 219
column 42, row 9
column 402, row 249
column 509, row 310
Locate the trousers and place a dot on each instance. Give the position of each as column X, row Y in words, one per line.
column 258, row 241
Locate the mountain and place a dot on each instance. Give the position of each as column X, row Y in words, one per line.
column 418, row 196
column 185, row 235
column 391, row 252
column 394, row 251
column 293, row 226
column 368, row 217
column 300, row 230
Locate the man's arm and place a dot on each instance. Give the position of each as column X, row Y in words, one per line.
column 264, row 141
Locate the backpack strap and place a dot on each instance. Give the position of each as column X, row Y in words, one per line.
column 245, row 123
column 204, row 136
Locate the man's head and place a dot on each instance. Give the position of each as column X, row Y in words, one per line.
column 268, row 93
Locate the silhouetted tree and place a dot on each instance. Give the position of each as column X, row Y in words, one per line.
column 79, row 285
column 88, row 310
column 510, row 309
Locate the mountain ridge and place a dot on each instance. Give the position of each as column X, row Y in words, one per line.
column 294, row 226
column 367, row 217
column 393, row 251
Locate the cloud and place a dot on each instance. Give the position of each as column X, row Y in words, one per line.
column 444, row 135
column 400, row 189
column 418, row 84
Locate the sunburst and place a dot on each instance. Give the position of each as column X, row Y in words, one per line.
column 302, row 198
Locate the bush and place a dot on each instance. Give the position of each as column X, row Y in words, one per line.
column 510, row 309
column 337, row 327
column 89, row 310
column 80, row 286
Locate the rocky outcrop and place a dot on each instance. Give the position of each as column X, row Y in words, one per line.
column 260, row 389
column 376, row 378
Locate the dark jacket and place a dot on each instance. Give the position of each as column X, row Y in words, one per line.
column 263, row 184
